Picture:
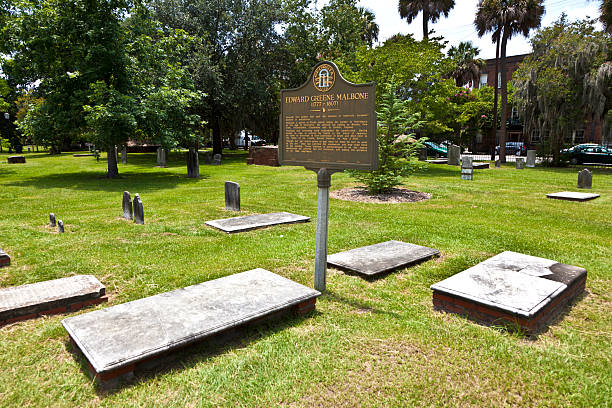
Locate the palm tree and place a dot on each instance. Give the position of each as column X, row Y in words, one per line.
column 432, row 10
column 369, row 27
column 505, row 18
column 467, row 66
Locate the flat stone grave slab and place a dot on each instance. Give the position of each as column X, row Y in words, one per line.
column 437, row 161
column 480, row 165
column 379, row 258
column 15, row 159
column 511, row 289
column 249, row 222
column 83, row 155
column 572, row 196
column 5, row 259
column 116, row 339
column 49, row 297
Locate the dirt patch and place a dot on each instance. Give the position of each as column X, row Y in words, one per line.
column 395, row 196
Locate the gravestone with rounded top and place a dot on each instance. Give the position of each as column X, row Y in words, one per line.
column 60, row 226
column 52, row 220
column 232, row 196
column 585, row 179
column 127, row 205
column 531, row 158
column 467, row 168
column 138, row 210
column 217, row 159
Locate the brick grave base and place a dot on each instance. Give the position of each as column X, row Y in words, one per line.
column 263, row 155
column 66, row 308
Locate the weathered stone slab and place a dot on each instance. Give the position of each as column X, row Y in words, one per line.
column 531, row 158
column 480, row 166
column 585, row 179
column 467, row 168
column 127, row 206
column 511, row 289
column 15, row 159
column 381, row 258
column 84, row 155
column 49, row 297
column 249, row 222
column 454, row 155
column 116, row 339
column 572, row 196
column 438, row 161
column 232, row 196
column 138, row 210
column 52, row 220
column 5, row 259
column 520, row 163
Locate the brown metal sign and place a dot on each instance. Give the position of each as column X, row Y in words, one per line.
column 329, row 123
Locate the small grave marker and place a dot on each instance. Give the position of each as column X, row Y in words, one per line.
column 124, row 154
column 454, row 155
column 16, row 159
column 497, row 164
column 60, row 226
column 467, row 169
column 531, row 158
column 520, row 163
column 127, row 206
column 585, row 179
column 162, row 157
column 5, row 259
column 249, row 222
column 49, row 297
column 217, row 159
column 138, row 210
column 52, row 220
column 232, row 196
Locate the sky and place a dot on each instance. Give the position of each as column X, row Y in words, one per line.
column 459, row 26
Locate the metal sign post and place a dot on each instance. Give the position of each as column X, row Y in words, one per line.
column 328, row 125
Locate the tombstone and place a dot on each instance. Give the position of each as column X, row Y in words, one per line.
column 162, row 157
column 52, row 220
column 422, row 154
column 207, row 157
column 531, row 158
column 15, row 159
column 454, row 155
column 138, row 210
column 60, row 226
column 49, row 297
column 511, row 289
column 572, row 196
column 232, row 196
column 585, row 179
column 497, row 164
column 250, row 222
column 127, row 206
column 193, row 164
column 520, row 163
column 217, row 159
column 124, row 154
column 467, row 169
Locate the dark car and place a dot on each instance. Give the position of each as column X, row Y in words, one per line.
column 588, row 153
column 514, row 148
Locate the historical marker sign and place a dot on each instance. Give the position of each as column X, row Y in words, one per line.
column 329, row 123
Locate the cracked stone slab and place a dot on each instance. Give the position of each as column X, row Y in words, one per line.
column 5, row 259
column 511, row 285
column 52, row 296
column 572, row 196
column 249, row 222
column 380, row 258
column 117, row 337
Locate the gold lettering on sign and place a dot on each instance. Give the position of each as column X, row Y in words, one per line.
column 307, row 134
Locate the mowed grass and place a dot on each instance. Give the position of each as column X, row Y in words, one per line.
column 369, row 343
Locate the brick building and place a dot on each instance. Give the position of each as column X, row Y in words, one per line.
column 586, row 132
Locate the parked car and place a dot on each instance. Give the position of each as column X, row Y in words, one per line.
column 587, row 153
column 253, row 140
column 514, row 148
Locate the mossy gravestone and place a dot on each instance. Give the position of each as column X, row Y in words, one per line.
column 454, row 155
column 138, row 210
column 585, row 179
column 232, row 196
column 127, row 205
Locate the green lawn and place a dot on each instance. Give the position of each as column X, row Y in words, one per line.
column 369, row 343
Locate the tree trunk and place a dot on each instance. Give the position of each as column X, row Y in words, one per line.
column 217, row 141
column 193, row 163
column 111, row 159
column 495, row 97
column 504, row 101
column 425, row 25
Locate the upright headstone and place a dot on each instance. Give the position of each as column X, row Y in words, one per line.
column 193, row 164
column 124, row 154
column 138, row 210
column 52, row 220
column 232, row 196
column 585, row 179
column 217, row 159
column 127, row 205
column 531, row 158
column 520, row 163
column 467, row 169
column 162, row 157
column 498, row 163
column 454, row 155
column 60, row 226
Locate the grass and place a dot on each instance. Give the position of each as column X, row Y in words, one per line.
column 369, row 343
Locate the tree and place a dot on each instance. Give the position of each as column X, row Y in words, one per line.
column 567, row 79
column 432, row 10
column 396, row 159
column 606, row 15
column 506, row 18
column 467, row 66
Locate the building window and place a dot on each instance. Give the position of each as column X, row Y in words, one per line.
column 483, row 80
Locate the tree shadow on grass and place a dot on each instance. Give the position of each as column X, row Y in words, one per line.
column 97, row 181
column 193, row 354
column 356, row 304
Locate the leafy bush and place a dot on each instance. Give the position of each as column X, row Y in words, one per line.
column 396, row 151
